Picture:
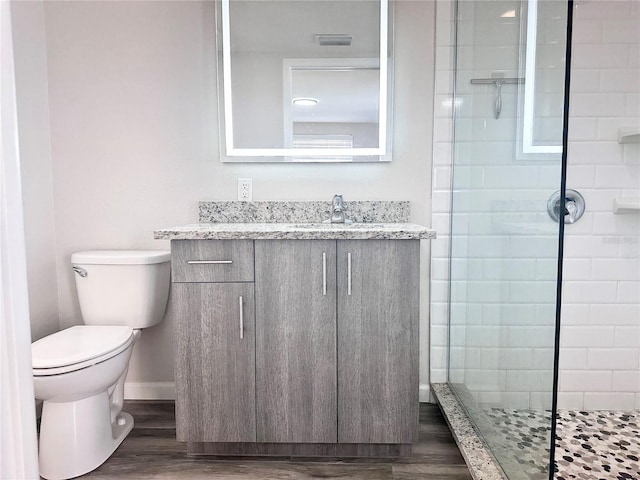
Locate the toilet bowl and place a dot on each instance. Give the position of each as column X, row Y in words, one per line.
column 79, row 372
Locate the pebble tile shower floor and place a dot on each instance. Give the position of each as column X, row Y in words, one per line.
column 598, row 444
column 590, row 445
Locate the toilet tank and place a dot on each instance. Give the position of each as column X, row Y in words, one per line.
column 122, row 287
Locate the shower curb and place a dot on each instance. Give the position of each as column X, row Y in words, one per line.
column 477, row 456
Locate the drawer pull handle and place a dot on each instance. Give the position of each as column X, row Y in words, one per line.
column 324, row 273
column 241, row 319
column 210, row 262
column 349, row 273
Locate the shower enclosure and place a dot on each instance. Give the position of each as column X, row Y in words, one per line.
column 543, row 314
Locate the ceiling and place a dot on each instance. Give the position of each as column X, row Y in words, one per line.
column 290, row 26
column 344, row 96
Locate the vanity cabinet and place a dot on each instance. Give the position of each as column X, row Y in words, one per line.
column 378, row 308
column 215, row 367
column 328, row 356
column 296, row 386
column 212, row 298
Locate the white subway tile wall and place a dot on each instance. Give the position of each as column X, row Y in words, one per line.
column 600, row 337
column 504, row 246
column 503, row 281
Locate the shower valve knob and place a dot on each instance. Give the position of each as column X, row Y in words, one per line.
column 574, row 206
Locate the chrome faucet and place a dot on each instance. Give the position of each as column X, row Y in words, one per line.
column 338, row 211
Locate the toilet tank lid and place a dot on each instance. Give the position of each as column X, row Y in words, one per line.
column 120, row 257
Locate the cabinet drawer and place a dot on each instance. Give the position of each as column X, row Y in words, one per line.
column 212, row 260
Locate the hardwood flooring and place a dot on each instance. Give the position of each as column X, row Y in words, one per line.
column 151, row 452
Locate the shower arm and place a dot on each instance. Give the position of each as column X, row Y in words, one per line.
column 498, row 82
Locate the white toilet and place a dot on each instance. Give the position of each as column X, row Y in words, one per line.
column 79, row 372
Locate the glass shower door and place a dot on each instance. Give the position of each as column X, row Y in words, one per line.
column 509, row 81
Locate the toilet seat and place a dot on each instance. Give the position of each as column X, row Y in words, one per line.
column 78, row 347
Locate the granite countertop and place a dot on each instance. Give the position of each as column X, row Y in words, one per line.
column 295, row 231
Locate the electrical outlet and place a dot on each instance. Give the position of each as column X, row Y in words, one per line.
column 245, row 193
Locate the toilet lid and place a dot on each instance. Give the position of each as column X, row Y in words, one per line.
column 78, row 344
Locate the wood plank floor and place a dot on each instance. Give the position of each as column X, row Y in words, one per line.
column 151, row 452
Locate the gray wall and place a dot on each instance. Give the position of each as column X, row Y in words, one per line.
column 35, row 158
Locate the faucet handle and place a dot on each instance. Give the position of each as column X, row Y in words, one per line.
column 337, row 201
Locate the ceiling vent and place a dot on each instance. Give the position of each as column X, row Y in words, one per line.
column 334, row 39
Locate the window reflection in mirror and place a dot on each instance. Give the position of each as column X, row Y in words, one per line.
column 304, row 80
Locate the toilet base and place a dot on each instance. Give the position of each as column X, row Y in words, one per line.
column 77, row 437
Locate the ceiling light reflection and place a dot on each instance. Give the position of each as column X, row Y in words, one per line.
column 305, row 101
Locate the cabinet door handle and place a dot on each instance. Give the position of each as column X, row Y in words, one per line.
column 210, row 262
column 241, row 319
column 324, row 273
column 349, row 273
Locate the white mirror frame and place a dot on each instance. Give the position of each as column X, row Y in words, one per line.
column 527, row 91
column 316, row 64
column 232, row 151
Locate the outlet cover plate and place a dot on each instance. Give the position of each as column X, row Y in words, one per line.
column 245, row 190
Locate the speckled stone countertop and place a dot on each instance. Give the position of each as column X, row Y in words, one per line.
column 301, row 211
column 295, row 231
column 481, row 463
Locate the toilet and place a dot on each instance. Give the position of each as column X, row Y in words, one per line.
column 79, row 372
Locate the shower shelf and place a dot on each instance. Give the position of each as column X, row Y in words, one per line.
column 626, row 205
column 629, row 135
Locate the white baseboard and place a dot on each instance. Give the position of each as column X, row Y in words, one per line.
column 149, row 391
column 424, row 393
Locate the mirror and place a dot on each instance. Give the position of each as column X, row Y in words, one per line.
column 304, row 80
column 540, row 112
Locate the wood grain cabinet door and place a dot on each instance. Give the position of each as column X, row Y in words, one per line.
column 378, row 307
column 296, row 341
column 215, row 361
